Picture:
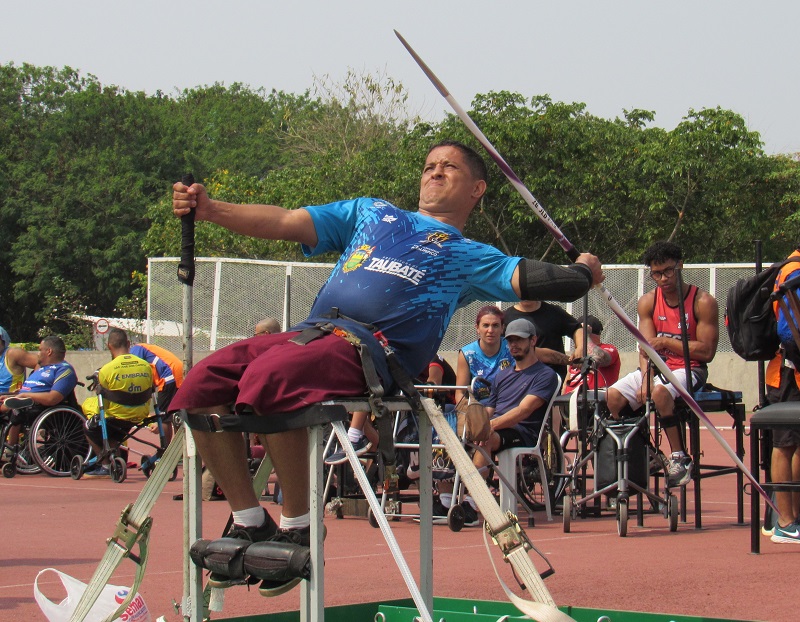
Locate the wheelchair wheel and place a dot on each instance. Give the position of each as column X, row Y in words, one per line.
column 371, row 518
column 119, row 470
column 529, row 481
column 456, row 517
column 672, row 510
column 567, row 512
column 9, row 470
column 622, row 517
column 56, row 437
column 76, row 467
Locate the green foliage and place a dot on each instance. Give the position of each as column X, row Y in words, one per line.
column 63, row 306
column 86, row 169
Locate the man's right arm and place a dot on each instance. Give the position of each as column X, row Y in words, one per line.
column 20, row 359
column 269, row 222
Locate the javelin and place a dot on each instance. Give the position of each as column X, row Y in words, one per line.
column 573, row 253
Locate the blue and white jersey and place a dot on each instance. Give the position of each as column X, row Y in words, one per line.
column 59, row 377
column 486, row 367
column 403, row 272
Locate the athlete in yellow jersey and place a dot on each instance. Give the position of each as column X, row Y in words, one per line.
column 126, row 384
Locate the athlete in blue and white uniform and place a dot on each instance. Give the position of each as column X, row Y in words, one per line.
column 486, row 356
column 404, row 273
column 52, row 383
column 409, row 270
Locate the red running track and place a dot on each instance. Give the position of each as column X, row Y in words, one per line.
column 61, row 523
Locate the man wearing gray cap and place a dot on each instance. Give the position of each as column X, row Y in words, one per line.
column 520, row 394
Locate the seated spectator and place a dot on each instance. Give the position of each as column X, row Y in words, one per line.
column 53, row 382
column 603, row 356
column 268, row 326
column 485, row 356
column 520, row 395
column 363, row 434
column 660, row 323
column 168, row 372
column 13, row 362
column 126, row 385
column 552, row 325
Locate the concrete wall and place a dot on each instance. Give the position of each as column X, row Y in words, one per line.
column 727, row 371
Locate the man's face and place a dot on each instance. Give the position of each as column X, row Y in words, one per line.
column 447, row 182
column 45, row 355
column 519, row 347
column 665, row 274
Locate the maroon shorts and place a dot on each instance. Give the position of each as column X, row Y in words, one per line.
column 270, row 374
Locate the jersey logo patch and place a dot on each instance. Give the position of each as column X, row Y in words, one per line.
column 357, row 258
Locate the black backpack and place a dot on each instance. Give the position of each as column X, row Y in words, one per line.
column 749, row 317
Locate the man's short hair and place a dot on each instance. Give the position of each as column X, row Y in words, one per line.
column 662, row 252
column 118, row 338
column 474, row 160
column 268, row 326
column 594, row 323
column 56, row 344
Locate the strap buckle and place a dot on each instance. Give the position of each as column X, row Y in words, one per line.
column 510, row 537
column 127, row 535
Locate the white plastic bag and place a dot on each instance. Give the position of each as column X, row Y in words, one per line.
column 110, row 598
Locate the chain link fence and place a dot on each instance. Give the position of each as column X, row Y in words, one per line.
column 231, row 295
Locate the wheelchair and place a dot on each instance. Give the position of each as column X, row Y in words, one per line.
column 624, row 457
column 50, row 438
column 118, row 464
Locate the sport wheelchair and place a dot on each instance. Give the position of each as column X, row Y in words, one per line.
column 118, row 464
column 50, row 438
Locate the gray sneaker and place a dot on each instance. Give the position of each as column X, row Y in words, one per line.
column 679, row 470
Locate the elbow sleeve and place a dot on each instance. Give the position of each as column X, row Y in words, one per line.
column 545, row 281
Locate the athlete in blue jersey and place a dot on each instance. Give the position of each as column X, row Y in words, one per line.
column 401, row 273
column 52, row 383
column 485, row 356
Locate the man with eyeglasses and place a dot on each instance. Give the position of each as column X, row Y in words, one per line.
column 660, row 323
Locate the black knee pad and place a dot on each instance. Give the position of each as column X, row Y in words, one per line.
column 224, row 556
column 277, row 561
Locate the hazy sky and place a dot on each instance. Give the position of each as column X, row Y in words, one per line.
column 667, row 57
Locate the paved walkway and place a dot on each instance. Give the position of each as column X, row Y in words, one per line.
column 61, row 523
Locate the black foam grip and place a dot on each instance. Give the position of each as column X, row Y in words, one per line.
column 186, row 265
column 573, row 254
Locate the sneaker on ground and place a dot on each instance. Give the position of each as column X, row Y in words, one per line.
column 767, row 531
column 679, row 471
column 439, row 513
column 98, row 472
column 361, row 446
column 470, row 515
column 787, row 535
column 252, row 534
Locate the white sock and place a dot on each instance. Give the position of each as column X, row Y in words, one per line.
column 354, row 434
column 446, row 498
column 297, row 522
column 251, row 517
